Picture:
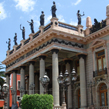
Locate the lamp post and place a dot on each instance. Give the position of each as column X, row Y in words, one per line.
column 6, row 90
column 32, row 87
column 14, row 105
column 44, row 81
column 21, row 90
column 65, row 80
column 91, row 84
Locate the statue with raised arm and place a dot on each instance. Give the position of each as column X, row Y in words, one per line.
column 53, row 9
column 42, row 19
column 23, row 32
column 31, row 25
column 15, row 39
column 79, row 17
column 9, row 43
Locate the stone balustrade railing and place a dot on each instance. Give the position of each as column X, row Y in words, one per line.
column 58, row 107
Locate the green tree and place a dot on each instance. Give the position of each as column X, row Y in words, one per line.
column 2, row 74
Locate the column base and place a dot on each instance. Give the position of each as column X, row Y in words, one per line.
column 64, row 106
column 14, row 106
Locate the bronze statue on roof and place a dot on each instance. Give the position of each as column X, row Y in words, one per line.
column 42, row 19
column 23, row 32
column 31, row 25
column 9, row 43
column 79, row 17
column 53, row 9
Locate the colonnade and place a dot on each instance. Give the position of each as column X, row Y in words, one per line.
column 55, row 74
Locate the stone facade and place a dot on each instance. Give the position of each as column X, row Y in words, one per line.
column 59, row 47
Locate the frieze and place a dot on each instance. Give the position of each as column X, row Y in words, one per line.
column 54, row 40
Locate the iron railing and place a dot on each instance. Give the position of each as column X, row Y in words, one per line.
column 47, row 27
column 19, row 47
column 11, row 51
column 99, row 72
column 26, row 41
column 37, row 34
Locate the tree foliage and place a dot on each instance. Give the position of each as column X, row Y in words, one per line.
column 36, row 101
column 2, row 74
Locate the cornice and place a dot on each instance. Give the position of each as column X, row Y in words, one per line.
column 97, row 34
column 54, row 33
column 51, row 33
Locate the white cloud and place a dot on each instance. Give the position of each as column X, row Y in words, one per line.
column 83, row 18
column 61, row 19
column 47, row 19
column 59, row 4
column 25, row 5
column 36, row 20
column 73, row 23
column 2, row 12
column 77, row 2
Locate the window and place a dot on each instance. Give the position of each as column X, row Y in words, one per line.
column 18, row 85
column 101, row 62
column 103, row 95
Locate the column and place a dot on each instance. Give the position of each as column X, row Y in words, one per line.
column 22, row 80
column 55, row 74
column 67, row 62
column 8, row 96
column 14, row 98
column 31, row 77
column 42, row 71
column 82, row 80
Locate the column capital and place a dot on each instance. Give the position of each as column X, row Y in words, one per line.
column 67, row 61
column 7, row 74
column 82, row 56
column 22, row 67
column 14, row 71
column 31, row 62
column 55, row 50
column 42, row 57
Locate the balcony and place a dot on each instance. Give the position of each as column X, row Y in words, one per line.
column 100, row 72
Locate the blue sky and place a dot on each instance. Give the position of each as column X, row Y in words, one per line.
column 16, row 12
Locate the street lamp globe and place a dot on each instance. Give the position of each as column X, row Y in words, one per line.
column 60, row 79
column 66, row 77
column 5, row 87
column 44, row 81
column 73, row 75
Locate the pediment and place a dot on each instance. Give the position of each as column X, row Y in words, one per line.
column 97, row 42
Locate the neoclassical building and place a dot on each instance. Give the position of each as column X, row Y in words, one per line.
column 59, row 47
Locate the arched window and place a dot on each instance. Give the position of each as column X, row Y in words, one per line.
column 103, row 94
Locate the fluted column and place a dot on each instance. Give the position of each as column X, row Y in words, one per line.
column 55, row 73
column 14, row 98
column 82, row 81
column 22, row 80
column 68, row 68
column 42, row 71
column 8, row 96
column 31, row 77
